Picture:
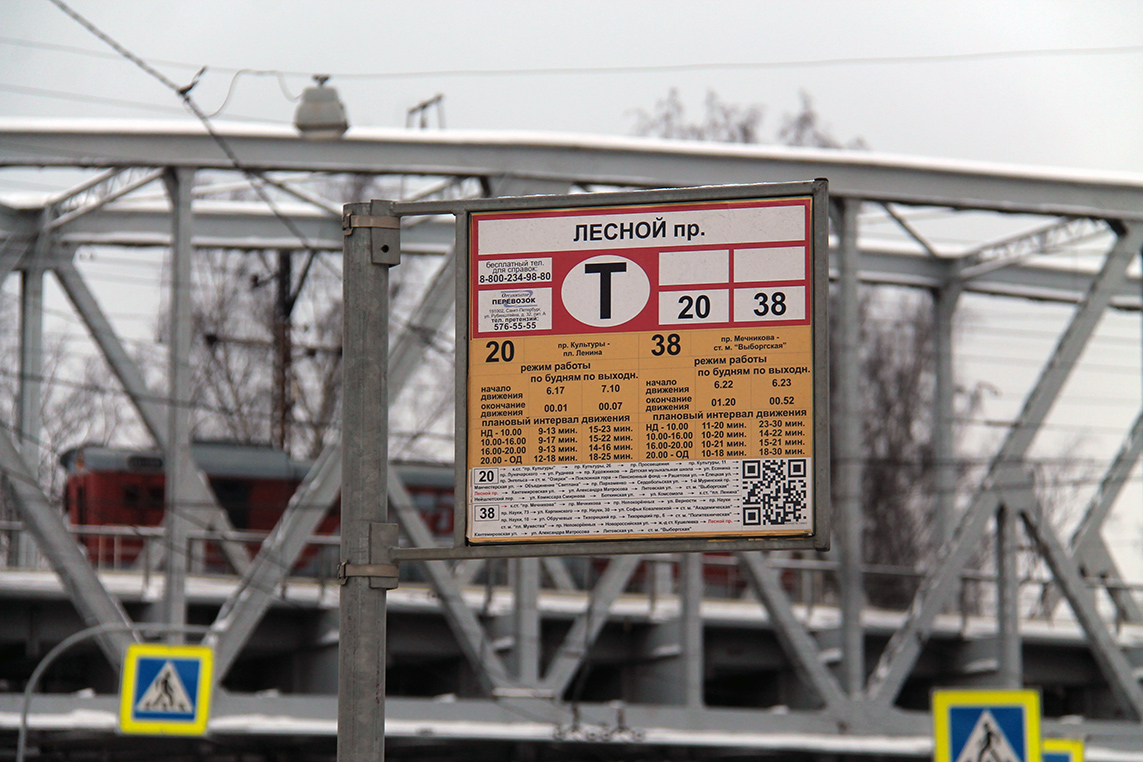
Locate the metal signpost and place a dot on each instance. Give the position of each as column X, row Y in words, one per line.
column 637, row 372
column 986, row 726
column 165, row 689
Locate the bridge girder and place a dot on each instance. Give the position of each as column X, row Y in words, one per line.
column 111, row 212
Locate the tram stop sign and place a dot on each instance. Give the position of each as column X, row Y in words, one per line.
column 165, row 689
column 647, row 366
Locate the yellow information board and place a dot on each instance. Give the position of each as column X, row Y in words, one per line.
column 642, row 371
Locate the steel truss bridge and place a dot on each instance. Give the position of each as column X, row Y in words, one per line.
column 628, row 657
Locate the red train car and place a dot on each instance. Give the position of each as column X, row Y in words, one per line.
column 114, row 487
column 119, row 487
column 110, row 490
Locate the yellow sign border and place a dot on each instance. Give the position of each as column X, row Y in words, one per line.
column 1073, row 747
column 945, row 700
column 196, row 727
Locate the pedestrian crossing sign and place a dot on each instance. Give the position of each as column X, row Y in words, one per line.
column 165, row 689
column 986, row 726
column 1063, row 750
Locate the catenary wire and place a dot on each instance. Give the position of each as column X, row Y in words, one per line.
column 986, row 55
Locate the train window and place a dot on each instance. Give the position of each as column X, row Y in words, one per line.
column 155, row 497
column 144, row 463
column 131, row 496
column 234, row 496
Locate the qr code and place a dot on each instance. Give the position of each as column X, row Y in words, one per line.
column 773, row 492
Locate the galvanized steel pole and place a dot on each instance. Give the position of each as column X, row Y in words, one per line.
column 180, row 465
column 372, row 244
column 945, row 301
column 848, row 457
column 1010, row 672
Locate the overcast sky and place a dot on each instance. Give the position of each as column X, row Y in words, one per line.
column 1018, row 82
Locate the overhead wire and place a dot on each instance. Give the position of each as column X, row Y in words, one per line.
column 184, row 92
column 984, row 55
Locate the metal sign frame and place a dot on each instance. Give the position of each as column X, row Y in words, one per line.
column 817, row 278
column 951, row 734
column 192, row 723
column 1063, row 750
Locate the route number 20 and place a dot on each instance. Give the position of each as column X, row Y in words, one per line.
column 500, row 351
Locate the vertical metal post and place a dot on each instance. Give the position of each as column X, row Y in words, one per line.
column 527, row 625
column 283, row 351
column 179, row 464
column 31, row 372
column 31, row 360
column 944, row 308
column 847, row 423
column 369, row 250
column 690, row 631
column 1010, row 663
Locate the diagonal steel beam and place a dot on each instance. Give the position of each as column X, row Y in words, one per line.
column 94, row 604
column 246, row 606
column 910, row 231
column 1046, row 240
column 10, row 255
column 149, row 406
column 579, row 639
column 73, row 192
column 423, row 324
column 104, row 200
column 151, row 410
column 1114, row 665
column 474, row 643
column 557, row 569
column 323, row 204
column 905, row 646
column 801, row 649
column 1087, row 543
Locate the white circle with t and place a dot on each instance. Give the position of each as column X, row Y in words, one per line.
column 606, row 290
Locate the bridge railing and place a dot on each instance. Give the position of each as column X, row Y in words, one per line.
column 808, row 580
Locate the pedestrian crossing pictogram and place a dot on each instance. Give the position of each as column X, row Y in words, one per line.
column 166, row 695
column 165, row 689
column 987, row 742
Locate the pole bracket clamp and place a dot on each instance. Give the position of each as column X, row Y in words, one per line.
column 384, row 232
column 380, row 569
column 351, row 222
column 383, row 576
